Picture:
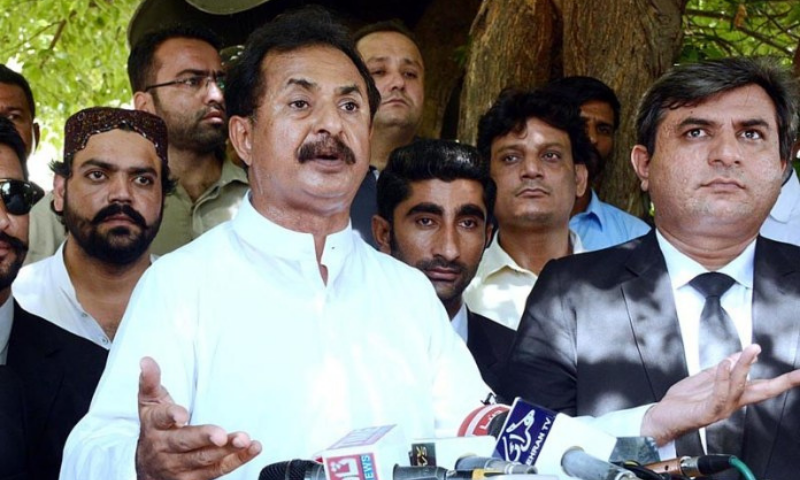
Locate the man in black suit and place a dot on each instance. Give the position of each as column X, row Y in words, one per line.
column 627, row 332
column 435, row 199
column 50, row 374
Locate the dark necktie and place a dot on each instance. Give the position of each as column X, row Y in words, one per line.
column 718, row 339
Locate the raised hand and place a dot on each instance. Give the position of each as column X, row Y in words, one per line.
column 170, row 449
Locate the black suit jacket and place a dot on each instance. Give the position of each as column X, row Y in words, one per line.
column 365, row 205
column 13, row 451
column 600, row 333
column 58, row 372
column 489, row 342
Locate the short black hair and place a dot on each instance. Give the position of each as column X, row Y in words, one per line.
column 586, row 89
column 141, row 61
column 513, row 108
column 11, row 138
column 426, row 159
column 307, row 27
column 11, row 77
column 693, row 83
column 394, row 25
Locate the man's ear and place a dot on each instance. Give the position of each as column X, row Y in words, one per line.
column 240, row 132
column 36, row 135
column 144, row 101
column 59, row 187
column 640, row 159
column 581, row 179
column 382, row 233
column 489, row 231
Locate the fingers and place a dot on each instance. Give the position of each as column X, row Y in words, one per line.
column 164, row 416
column 149, row 379
column 191, row 438
column 239, row 458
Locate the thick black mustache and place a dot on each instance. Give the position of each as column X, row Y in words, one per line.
column 14, row 242
column 326, row 147
column 116, row 209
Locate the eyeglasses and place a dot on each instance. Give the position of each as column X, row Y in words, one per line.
column 193, row 83
column 18, row 196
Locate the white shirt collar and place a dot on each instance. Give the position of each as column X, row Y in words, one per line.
column 495, row 258
column 252, row 227
column 683, row 269
column 460, row 323
column 6, row 320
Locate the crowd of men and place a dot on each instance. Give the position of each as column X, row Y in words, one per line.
column 359, row 275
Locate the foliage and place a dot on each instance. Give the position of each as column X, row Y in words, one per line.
column 719, row 28
column 73, row 53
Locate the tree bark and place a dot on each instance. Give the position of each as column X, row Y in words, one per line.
column 513, row 43
column 441, row 32
column 628, row 45
column 625, row 43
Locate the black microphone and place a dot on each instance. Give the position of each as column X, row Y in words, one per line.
column 693, row 466
column 493, row 465
column 293, row 470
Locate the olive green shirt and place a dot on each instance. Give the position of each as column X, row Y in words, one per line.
column 183, row 221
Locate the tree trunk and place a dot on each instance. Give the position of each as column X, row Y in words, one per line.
column 441, row 32
column 628, row 45
column 625, row 43
column 513, row 43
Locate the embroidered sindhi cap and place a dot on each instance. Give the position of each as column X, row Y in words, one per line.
column 91, row 121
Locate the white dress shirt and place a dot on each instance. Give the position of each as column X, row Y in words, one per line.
column 461, row 323
column 250, row 338
column 501, row 286
column 45, row 289
column 6, row 320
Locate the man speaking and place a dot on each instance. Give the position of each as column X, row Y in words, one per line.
column 281, row 323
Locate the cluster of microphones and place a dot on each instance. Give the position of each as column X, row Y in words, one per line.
column 521, row 442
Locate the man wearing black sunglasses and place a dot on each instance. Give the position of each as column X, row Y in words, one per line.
column 109, row 190
column 48, row 375
column 176, row 73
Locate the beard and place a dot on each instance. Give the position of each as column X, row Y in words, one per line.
column 10, row 267
column 120, row 245
column 187, row 131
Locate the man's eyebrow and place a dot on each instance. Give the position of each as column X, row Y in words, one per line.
column 425, row 207
column 471, row 210
column 754, row 122
column 348, row 89
column 96, row 162
column 411, row 61
column 695, row 121
column 302, row 83
column 192, row 71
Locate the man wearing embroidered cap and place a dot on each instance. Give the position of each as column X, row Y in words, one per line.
column 109, row 191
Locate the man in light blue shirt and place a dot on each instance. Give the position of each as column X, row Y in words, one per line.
column 598, row 224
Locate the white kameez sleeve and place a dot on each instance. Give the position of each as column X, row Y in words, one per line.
column 160, row 323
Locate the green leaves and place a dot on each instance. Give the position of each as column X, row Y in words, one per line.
column 73, row 53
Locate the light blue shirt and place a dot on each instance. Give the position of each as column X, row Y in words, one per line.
column 603, row 225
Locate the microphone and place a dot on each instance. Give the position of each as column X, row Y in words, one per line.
column 693, row 466
column 485, row 420
column 557, row 444
column 293, row 470
column 494, row 465
column 445, row 452
column 366, row 454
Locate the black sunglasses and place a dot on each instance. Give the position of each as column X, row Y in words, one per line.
column 18, row 196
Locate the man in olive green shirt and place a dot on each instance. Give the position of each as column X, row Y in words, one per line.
column 175, row 73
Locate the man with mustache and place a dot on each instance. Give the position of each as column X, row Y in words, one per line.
column 537, row 148
column 47, row 375
column 109, row 190
column 395, row 64
column 177, row 74
column 435, row 201
column 280, row 327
